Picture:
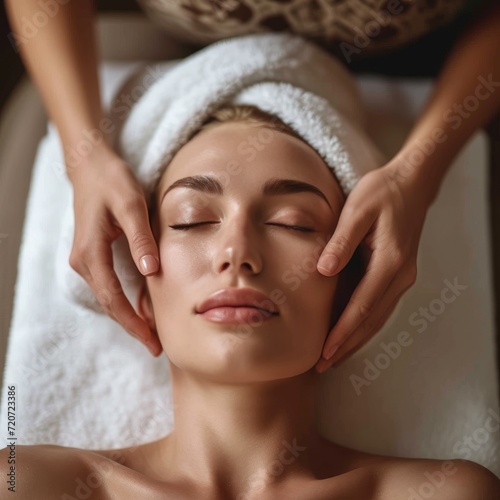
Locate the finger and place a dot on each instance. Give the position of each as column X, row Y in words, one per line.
column 109, row 292
column 361, row 337
column 134, row 221
column 365, row 332
column 370, row 327
column 352, row 227
column 379, row 274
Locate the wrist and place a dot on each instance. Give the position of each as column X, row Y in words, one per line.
column 414, row 169
column 80, row 156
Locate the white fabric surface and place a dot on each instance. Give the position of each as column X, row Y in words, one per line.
column 84, row 382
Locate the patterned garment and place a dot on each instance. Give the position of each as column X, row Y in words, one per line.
column 348, row 27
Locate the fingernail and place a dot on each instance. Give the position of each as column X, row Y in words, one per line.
column 328, row 263
column 148, row 264
column 331, row 352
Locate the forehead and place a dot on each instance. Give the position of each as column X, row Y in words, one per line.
column 245, row 155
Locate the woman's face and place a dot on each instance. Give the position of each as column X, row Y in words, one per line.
column 244, row 236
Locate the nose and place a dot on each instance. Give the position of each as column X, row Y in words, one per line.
column 238, row 248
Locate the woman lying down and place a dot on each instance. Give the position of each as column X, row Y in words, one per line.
column 242, row 343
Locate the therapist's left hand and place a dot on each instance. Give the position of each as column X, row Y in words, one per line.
column 385, row 214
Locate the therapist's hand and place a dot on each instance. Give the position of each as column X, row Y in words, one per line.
column 385, row 214
column 109, row 201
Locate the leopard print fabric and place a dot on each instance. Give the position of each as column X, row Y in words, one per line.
column 353, row 28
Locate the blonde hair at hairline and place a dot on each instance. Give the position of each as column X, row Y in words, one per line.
column 249, row 114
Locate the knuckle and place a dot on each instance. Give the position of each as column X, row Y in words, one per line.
column 107, row 295
column 113, row 285
column 111, row 303
column 343, row 246
column 131, row 204
column 115, row 306
column 82, row 246
column 364, row 309
column 78, row 256
column 105, row 298
column 140, row 240
column 75, row 262
column 398, row 258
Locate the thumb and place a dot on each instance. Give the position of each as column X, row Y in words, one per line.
column 339, row 250
column 140, row 238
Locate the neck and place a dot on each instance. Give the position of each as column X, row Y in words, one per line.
column 241, row 437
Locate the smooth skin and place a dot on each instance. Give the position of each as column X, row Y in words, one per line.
column 62, row 61
column 243, row 400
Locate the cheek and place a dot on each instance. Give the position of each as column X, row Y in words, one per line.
column 173, row 289
column 182, row 261
column 309, row 296
column 314, row 300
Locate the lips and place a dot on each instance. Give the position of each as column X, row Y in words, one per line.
column 239, row 298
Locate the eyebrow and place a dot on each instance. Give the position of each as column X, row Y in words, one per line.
column 210, row 185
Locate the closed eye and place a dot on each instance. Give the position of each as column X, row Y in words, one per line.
column 185, row 227
column 296, row 228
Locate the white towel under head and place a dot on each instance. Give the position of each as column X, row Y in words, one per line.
column 281, row 74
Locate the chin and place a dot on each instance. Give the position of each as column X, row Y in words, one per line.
column 240, row 366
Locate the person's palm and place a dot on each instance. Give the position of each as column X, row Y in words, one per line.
column 108, row 201
column 384, row 214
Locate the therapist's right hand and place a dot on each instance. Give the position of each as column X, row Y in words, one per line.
column 108, row 201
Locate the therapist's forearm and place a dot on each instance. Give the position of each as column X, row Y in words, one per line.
column 61, row 58
column 465, row 98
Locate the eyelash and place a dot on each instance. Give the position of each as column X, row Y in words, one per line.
column 185, row 227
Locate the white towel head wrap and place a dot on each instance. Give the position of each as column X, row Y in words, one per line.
column 281, row 74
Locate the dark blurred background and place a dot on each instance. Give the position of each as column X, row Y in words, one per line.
column 421, row 58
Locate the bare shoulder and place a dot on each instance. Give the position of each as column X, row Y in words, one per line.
column 47, row 472
column 416, row 479
column 341, row 459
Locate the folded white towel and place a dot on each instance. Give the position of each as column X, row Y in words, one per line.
column 306, row 87
column 282, row 74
